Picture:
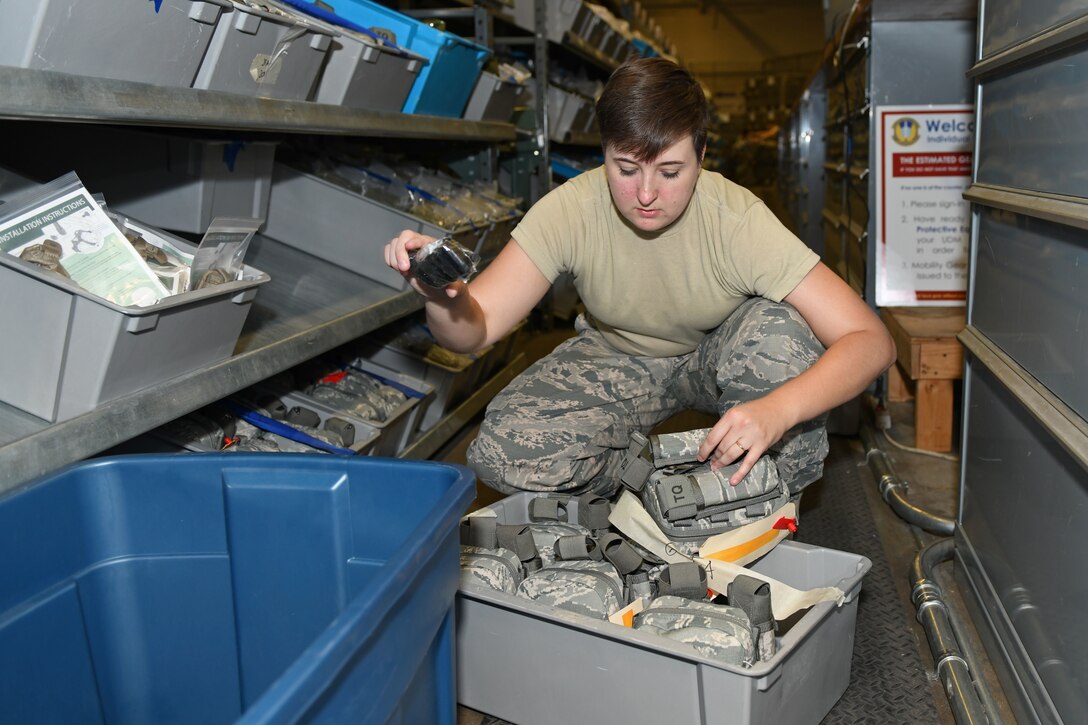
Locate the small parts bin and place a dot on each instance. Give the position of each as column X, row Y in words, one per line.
column 454, row 377
column 225, row 588
column 263, row 49
column 520, row 660
column 454, row 63
column 159, row 42
column 74, row 351
column 493, row 99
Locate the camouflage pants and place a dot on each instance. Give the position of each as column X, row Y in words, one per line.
column 563, row 424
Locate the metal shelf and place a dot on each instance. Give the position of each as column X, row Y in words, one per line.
column 308, row 307
column 52, row 96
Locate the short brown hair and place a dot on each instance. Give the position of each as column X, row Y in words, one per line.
column 649, row 104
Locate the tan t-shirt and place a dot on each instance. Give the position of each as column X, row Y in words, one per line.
column 659, row 295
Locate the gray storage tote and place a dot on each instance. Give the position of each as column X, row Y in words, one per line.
column 259, row 52
column 533, row 664
column 159, row 42
column 69, row 351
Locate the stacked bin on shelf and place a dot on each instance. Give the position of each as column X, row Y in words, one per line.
column 454, row 377
column 163, row 42
column 231, row 587
column 172, row 180
column 77, row 351
column 454, row 63
column 351, row 229
column 265, row 50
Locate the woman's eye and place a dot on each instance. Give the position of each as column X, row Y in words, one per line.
column 670, row 174
column 626, row 172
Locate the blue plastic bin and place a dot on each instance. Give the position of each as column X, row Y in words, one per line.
column 216, row 588
column 446, row 81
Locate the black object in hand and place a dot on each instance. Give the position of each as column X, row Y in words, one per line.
column 442, row 262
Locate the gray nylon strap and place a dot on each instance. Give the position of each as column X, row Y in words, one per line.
column 548, row 508
column 683, row 579
column 637, row 463
column 480, row 531
column 593, row 511
column 620, row 553
column 570, row 548
column 754, row 597
column 518, row 538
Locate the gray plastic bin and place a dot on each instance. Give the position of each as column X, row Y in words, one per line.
column 403, row 426
column 568, row 112
column 169, row 180
column 563, row 16
column 150, row 42
column 69, row 351
column 493, row 99
column 341, row 226
column 268, row 53
column 367, row 435
column 451, row 384
column 362, row 73
column 531, row 664
column 392, row 434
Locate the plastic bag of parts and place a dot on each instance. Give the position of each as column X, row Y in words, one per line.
column 442, row 262
column 219, row 258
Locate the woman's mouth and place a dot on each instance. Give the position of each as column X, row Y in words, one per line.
column 647, row 213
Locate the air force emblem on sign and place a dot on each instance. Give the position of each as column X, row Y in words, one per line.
column 905, row 131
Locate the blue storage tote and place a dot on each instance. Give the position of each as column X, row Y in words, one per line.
column 446, row 81
column 218, row 588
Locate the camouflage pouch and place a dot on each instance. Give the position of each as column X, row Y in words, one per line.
column 721, row 632
column 588, row 587
column 498, row 569
column 688, row 501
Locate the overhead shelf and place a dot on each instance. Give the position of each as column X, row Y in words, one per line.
column 52, row 96
column 308, row 307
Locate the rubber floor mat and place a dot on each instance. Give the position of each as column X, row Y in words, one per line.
column 888, row 682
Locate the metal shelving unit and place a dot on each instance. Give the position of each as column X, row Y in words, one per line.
column 52, row 96
column 309, row 307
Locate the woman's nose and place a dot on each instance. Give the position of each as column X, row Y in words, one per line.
column 647, row 192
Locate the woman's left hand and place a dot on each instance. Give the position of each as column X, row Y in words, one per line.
column 747, row 431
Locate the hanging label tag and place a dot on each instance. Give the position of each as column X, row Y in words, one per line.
column 265, row 69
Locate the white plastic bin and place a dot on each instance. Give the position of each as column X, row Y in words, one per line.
column 158, row 42
column 70, row 351
column 525, row 662
column 268, row 52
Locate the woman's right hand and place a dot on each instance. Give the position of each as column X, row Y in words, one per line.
column 396, row 256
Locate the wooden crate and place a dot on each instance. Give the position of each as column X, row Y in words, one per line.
column 929, row 359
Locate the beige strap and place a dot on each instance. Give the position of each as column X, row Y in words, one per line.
column 629, row 517
column 747, row 543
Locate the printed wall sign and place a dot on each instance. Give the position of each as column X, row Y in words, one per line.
column 923, row 166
